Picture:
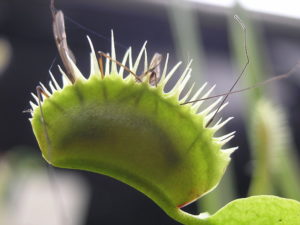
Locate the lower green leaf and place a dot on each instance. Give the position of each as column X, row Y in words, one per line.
column 258, row 210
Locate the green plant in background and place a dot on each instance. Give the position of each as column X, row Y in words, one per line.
column 5, row 54
column 276, row 164
column 276, row 168
column 129, row 128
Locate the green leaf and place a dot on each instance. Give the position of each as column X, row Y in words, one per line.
column 136, row 133
column 258, row 210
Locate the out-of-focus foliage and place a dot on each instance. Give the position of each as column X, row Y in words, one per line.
column 5, row 54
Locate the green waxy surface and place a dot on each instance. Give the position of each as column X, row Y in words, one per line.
column 134, row 133
column 258, row 210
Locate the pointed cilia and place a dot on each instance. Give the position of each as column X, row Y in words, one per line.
column 127, row 126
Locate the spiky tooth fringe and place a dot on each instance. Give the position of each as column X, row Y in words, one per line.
column 183, row 83
column 137, row 62
column 207, row 110
column 223, row 137
column 107, row 66
column 220, row 125
column 163, row 75
column 219, row 121
column 223, row 142
column 77, row 73
column 145, row 61
column 94, row 70
column 33, row 106
column 229, row 151
column 45, row 90
column 113, row 54
column 52, row 88
column 196, row 95
column 54, row 81
column 175, row 90
column 187, row 94
column 130, row 61
column 210, row 115
column 170, row 74
column 126, row 56
column 65, row 79
column 197, row 105
column 35, row 97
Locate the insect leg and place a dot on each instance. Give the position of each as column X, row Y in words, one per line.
column 100, row 61
column 242, row 72
column 119, row 64
column 257, row 85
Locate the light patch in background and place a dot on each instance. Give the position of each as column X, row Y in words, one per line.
column 224, row 3
column 287, row 8
column 35, row 202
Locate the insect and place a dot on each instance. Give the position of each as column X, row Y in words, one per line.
column 60, row 38
column 153, row 72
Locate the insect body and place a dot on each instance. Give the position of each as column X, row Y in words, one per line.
column 154, row 70
column 60, row 37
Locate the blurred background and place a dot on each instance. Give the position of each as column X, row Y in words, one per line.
column 267, row 119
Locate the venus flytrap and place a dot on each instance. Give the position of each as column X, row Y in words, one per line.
column 134, row 132
column 268, row 137
column 276, row 166
column 130, row 128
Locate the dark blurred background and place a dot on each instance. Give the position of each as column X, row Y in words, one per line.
column 185, row 29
